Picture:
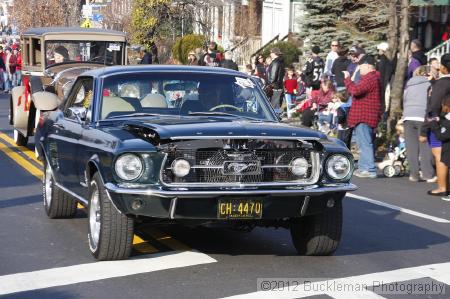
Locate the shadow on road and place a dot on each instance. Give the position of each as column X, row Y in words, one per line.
column 42, row 294
column 13, row 202
column 367, row 229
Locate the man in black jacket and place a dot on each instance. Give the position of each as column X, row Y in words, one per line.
column 275, row 77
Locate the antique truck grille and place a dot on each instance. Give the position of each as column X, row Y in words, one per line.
column 224, row 167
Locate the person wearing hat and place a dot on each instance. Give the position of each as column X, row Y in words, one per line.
column 440, row 91
column 365, row 113
column 356, row 54
column 275, row 77
column 60, row 54
column 192, row 58
column 386, row 69
column 313, row 69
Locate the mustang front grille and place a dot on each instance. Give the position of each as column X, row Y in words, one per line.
column 241, row 167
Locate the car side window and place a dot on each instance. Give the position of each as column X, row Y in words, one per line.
column 79, row 101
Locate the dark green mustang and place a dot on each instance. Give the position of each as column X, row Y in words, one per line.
column 191, row 145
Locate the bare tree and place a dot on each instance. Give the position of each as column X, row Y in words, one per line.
column 45, row 13
column 402, row 63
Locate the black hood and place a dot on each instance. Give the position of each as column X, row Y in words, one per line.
column 193, row 127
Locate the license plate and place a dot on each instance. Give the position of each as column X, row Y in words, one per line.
column 239, row 209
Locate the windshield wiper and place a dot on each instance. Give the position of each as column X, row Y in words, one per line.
column 217, row 113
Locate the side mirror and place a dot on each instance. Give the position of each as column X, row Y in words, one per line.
column 78, row 112
column 45, row 101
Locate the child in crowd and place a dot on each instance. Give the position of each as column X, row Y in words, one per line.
column 290, row 90
column 344, row 132
column 441, row 128
column 400, row 132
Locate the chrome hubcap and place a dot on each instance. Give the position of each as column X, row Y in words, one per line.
column 48, row 186
column 94, row 217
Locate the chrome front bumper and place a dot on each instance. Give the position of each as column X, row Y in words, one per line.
column 185, row 193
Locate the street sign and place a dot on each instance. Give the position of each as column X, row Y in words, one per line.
column 87, row 11
column 97, row 17
column 86, row 24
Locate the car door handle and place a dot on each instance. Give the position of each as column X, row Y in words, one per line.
column 59, row 126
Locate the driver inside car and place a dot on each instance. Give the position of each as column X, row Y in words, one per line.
column 212, row 95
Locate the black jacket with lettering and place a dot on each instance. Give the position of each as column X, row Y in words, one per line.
column 312, row 72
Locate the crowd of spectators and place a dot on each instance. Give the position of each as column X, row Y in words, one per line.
column 347, row 94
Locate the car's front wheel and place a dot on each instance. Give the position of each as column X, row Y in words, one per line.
column 110, row 231
column 319, row 234
column 57, row 203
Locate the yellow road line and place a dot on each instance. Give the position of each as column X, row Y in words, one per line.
column 21, row 161
column 30, row 154
column 138, row 243
column 165, row 239
column 142, row 246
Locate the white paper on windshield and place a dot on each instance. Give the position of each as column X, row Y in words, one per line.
column 114, row 47
column 244, row 83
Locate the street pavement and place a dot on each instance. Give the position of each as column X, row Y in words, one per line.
column 393, row 232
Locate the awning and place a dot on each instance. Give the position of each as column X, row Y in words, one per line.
column 430, row 2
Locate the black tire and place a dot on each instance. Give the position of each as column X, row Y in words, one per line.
column 112, row 240
column 19, row 139
column 11, row 108
column 57, row 203
column 318, row 234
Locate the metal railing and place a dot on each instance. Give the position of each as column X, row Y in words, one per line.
column 243, row 50
column 440, row 50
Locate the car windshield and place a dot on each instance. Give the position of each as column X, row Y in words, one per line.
column 108, row 53
column 184, row 93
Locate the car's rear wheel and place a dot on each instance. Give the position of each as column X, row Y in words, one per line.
column 319, row 234
column 110, row 231
column 57, row 203
column 19, row 139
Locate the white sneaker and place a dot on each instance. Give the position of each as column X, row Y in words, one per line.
column 446, row 198
column 432, row 180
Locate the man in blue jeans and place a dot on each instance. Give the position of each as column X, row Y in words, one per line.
column 365, row 113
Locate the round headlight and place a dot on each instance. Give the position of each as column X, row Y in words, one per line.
column 299, row 166
column 129, row 167
column 338, row 167
column 181, row 168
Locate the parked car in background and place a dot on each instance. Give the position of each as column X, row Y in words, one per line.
column 190, row 145
column 48, row 54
